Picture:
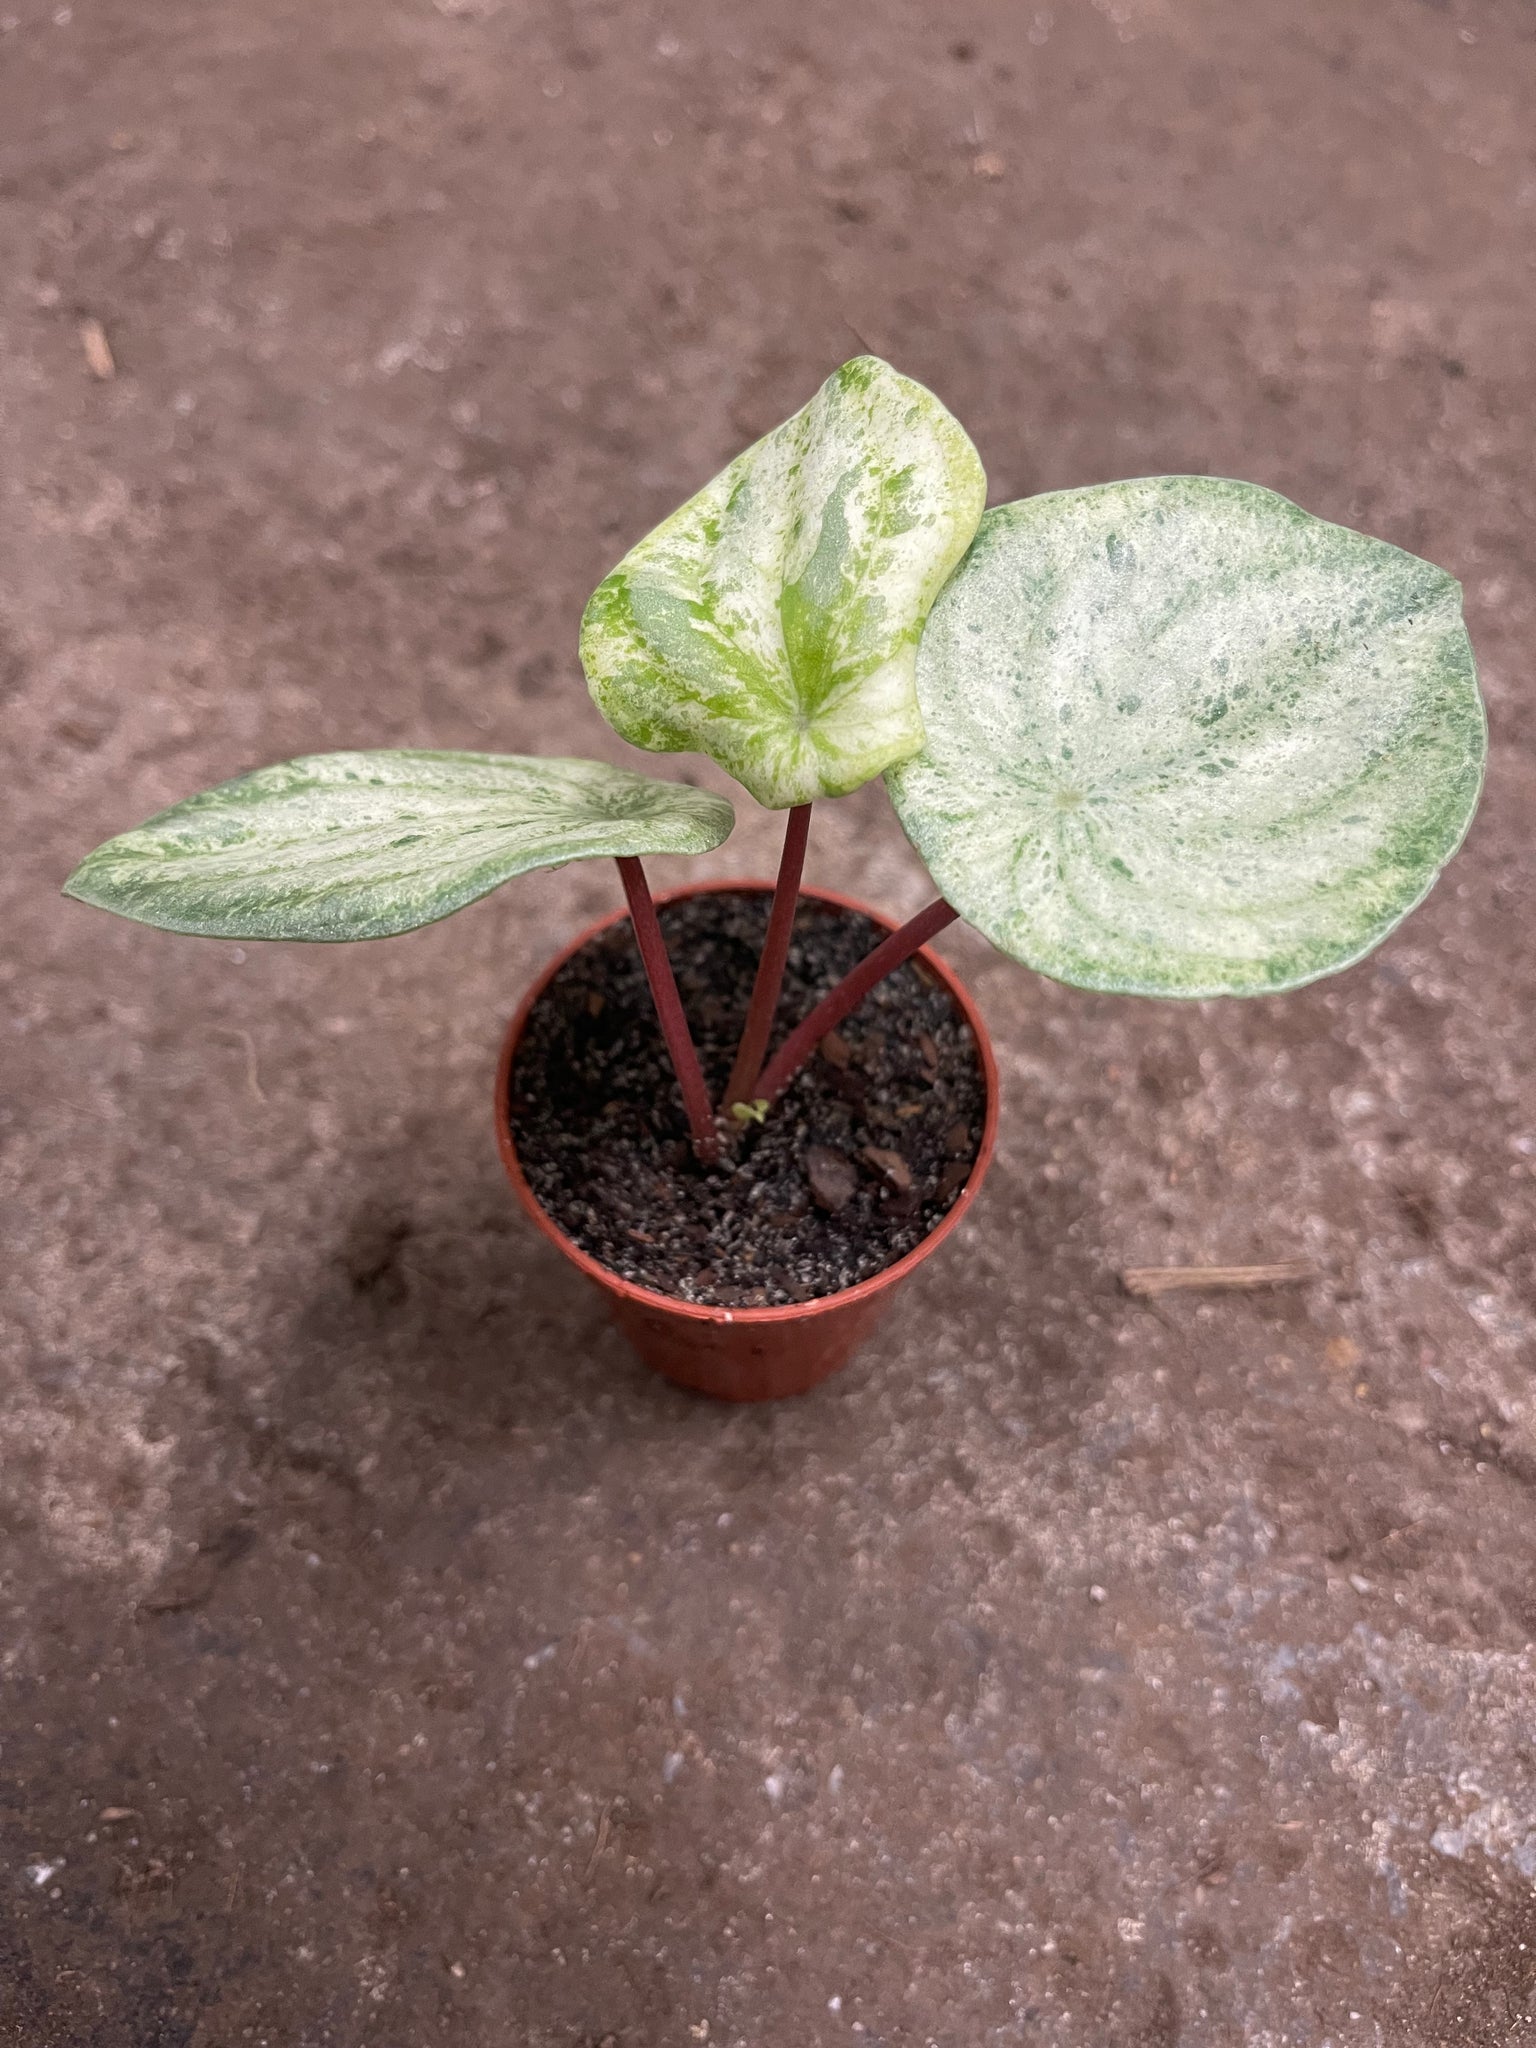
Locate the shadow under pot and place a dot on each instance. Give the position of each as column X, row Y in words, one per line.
column 762, row 1277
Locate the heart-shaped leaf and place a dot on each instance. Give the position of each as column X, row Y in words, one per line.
column 773, row 621
column 1186, row 740
column 359, row 846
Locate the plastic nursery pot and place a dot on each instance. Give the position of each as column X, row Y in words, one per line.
column 746, row 1354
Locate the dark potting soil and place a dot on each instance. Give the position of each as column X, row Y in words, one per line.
column 860, row 1158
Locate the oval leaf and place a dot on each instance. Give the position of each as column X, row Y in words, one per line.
column 1186, row 740
column 360, row 846
column 772, row 623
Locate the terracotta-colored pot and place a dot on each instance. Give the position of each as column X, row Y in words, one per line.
column 745, row 1354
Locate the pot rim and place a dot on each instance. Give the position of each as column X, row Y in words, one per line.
column 706, row 1312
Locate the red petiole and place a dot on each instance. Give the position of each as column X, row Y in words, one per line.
column 770, row 967
column 792, row 1055
column 846, row 997
column 669, row 1009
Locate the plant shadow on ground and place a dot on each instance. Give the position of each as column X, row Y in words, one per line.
column 455, row 1318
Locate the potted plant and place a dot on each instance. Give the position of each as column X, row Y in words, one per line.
column 1171, row 737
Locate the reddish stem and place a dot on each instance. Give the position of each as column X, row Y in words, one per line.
column 770, row 966
column 669, row 1009
column 846, row 997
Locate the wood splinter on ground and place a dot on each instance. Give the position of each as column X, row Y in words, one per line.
column 98, row 350
column 1150, row 1281
column 603, row 1828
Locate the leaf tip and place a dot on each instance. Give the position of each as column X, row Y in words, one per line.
column 78, row 884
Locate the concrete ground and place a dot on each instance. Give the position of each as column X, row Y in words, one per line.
column 388, row 1659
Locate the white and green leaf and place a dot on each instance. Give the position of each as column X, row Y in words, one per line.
column 1184, row 739
column 360, row 846
column 772, row 623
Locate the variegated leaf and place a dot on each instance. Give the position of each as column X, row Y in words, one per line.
column 773, row 621
column 360, row 846
column 1186, row 740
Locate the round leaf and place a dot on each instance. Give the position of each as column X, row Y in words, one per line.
column 1186, row 740
column 772, row 623
column 360, row 846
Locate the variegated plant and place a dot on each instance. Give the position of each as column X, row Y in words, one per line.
column 1170, row 737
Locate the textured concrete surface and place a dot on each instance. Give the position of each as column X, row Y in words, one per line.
column 386, row 1658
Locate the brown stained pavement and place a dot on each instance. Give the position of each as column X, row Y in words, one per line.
column 386, row 1658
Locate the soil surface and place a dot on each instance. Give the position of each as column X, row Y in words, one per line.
column 387, row 1659
column 862, row 1156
